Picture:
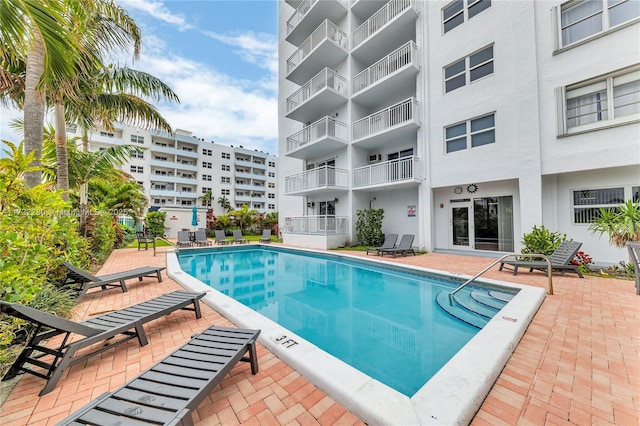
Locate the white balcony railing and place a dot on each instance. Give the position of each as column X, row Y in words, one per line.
column 321, row 129
column 316, row 225
column 301, row 10
column 322, row 177
column 324, row 79
column 383, row 16
column 325, row 31
column 385, row 172
column 380, row 121
column 396, row 60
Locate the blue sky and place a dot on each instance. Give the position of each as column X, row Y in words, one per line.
column 219, row 56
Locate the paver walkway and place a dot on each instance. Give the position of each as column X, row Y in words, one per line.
column 577, row 364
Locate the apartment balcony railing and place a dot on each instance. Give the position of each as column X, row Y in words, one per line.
column 385, row 173
column 327, row 32
column 111, row 140
column 302, row 9
column 309, row 14
column 323, row 93
column 397, row 60
column 382, row 17
column 332, row 133
column 327, row 177
column 381, row 121
column 316, row 225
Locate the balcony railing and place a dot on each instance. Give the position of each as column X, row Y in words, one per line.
column 402, row 112
column 323, row 128
column 396, row 60
column 386, row 172
column 301, row 10
column 316, row 225
column 325, row 31
column 324, row 79
column 383, row 16
column 322, row 177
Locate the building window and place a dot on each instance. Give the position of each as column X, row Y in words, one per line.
column 610, row 100
column 455, row 13
column 226, row 156
column 270, row 195
column 137, row 139
column 471, row 133
column 469, row 69
column 271, row 185
column 207, row 178
column 136, row 154
column 206, row 151
column 272, row 174
column 207, row 165
column 226, row 168
column 580, row 20
column 272, row 206
column 225, row 179
column 635, row 194
column 272, row 163
column 225, row 192
column 137, row 169
column 206, row 189
column 588, row 202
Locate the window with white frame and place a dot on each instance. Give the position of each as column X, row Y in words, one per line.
column 271, row 195
column 207, row 151
column 137, row 139
column 271, row 206
column 601, row 102
column 225, row 191
column 207, row 165
column 469, row 69
column 226, row 156
column 588, row 202
column 580, row 20
column 457, row 12
column 471, row 133
column 271, row 185
column 208, row 178
column 635, row 194
column 137, row 169
column 136, row 154
column 225, row 179
column 272, row 175
column 206, row 189
column 226, row 168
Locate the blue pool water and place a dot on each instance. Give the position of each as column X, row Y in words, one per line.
column 382, row 321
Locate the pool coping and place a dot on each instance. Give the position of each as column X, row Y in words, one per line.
column 452, row 396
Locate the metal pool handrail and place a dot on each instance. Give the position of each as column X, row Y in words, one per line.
column 549, row 290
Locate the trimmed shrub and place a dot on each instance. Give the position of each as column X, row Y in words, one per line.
column 369, row 227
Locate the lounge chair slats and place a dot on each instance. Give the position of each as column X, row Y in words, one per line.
column 82, row 281
column 404, row 247
column 560, row 260
column 111, row 328
column 388, row 243
column 169, row 391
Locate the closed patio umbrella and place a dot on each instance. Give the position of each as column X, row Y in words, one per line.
column 194, row 217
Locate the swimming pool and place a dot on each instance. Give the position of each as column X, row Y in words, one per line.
column 385, row 305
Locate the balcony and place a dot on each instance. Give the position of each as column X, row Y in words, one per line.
column 322, row 137
column 326, row 91
column 316, row 225
column 250, row 164
column 250, row 187
column 366, row 8
column 172, row 179
column 251, row 175
column 111, row 140
column 326, row 46
column 327, row 178
column 384, row 127
column 390, row 75
column 389, row 27
column 309, row 14
column 398, row 173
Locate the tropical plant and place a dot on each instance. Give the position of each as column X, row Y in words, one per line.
column 244, row 217
column 224, row 222
column 155, row 223
column 225, row 204
column 541, row 241
column 621, row 224
column 14, row 166
column 206, row 199
column 369, row 227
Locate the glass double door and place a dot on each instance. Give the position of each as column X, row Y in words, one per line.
column 482, row 224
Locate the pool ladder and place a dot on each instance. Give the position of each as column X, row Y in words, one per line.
column 470, row 280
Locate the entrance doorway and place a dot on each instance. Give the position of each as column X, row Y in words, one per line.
column 482, row 224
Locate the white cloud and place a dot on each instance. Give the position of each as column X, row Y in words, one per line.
column 260, row 49
column 157, row 10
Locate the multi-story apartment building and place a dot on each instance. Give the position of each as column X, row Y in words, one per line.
column 468, row 122
column 176, row 169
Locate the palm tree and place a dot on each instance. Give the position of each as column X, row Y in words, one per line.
column 621, row 224
column 244, row 216
column 224, row 203
column 206, row 198
column 28, row 29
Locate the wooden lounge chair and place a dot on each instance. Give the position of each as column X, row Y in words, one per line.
column 183, row 239
column 221, row 238
column 144, row 239
column 389, row 242
column 403, row 247
column 634, row 255
column 168, row 392
column 238, row 238
column 111, row 328
column 266, row 236
column 560, row 260
column 201, row 238
column 82, row 281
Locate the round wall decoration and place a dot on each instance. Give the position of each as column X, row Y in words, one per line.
column 457, row 190
column 472, row 188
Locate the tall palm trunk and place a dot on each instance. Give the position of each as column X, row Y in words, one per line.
column 61, row 150
column 34, row 105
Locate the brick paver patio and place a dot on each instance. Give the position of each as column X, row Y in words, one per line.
column 577, row 364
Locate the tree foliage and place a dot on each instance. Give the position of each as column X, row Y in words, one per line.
column 369, row 227
column 621, row 224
